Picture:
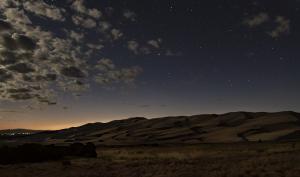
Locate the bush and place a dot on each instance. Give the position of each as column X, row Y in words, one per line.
column 39, row 153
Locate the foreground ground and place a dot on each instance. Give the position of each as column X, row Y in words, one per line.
column 206, row 160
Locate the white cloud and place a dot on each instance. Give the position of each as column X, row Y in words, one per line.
column 133, row 46
column 76, row 35
column 104, row 26
column 78, row 6
column 105, row 64
column 257, row 20
column 17, row 16
column 116, row 34
column 84, row 22
column 39, row 7
column 283, row 27
column 155, row 43
column 129, row 15
column 152, row 46
column 110, row 74
column 282, row 24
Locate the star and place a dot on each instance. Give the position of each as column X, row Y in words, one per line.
column 230, row 83
column 171, row 8
column 189, row 10
column 169, row 75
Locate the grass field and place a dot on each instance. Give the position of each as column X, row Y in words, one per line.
column 206, row 160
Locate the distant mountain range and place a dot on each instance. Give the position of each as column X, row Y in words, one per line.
column 208, row 128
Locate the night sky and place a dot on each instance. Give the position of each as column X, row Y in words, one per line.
column 66, row 63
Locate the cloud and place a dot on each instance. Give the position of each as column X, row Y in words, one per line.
column 8, row 111
column 32, row 58
column 8, row 42
column 37, row 62
column 72, row 72
column 282, row 28
column 116, row 34
column 84, row 22
column 282, row 24
column 152, row 46
column 78, row 6
column 95, row 46
column 128, row 14
column 16, row 16
column 76, row 35
column 40, row 8
column 257, row 20
column 5, row 75
column 110, row 74
column 133, row 46
column 171, row 53
column 5, row 26
column 7, row 57
column 105, row 64
column 24, row 42
column 139, row 49
column 145, row 106
column 104, row 26
column 21, row 68
column 155, row 43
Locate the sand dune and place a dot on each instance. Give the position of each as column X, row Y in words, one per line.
column 225, row 128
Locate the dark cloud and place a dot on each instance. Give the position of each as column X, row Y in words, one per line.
column 8, row 42
column 5, row 26
column 40, row 78
column 19, row 90
column 21, row 96
column 5, row 76
column 72, row 72
column 50, row 77
column 25, row 42
column 16, row 41
column 21, row 68
column 7, row 57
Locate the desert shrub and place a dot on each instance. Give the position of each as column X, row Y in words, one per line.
column 66, row 163
column 75, row 149
column 90, row 150
column 39, row 153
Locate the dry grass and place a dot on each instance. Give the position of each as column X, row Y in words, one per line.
column 207, row 160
